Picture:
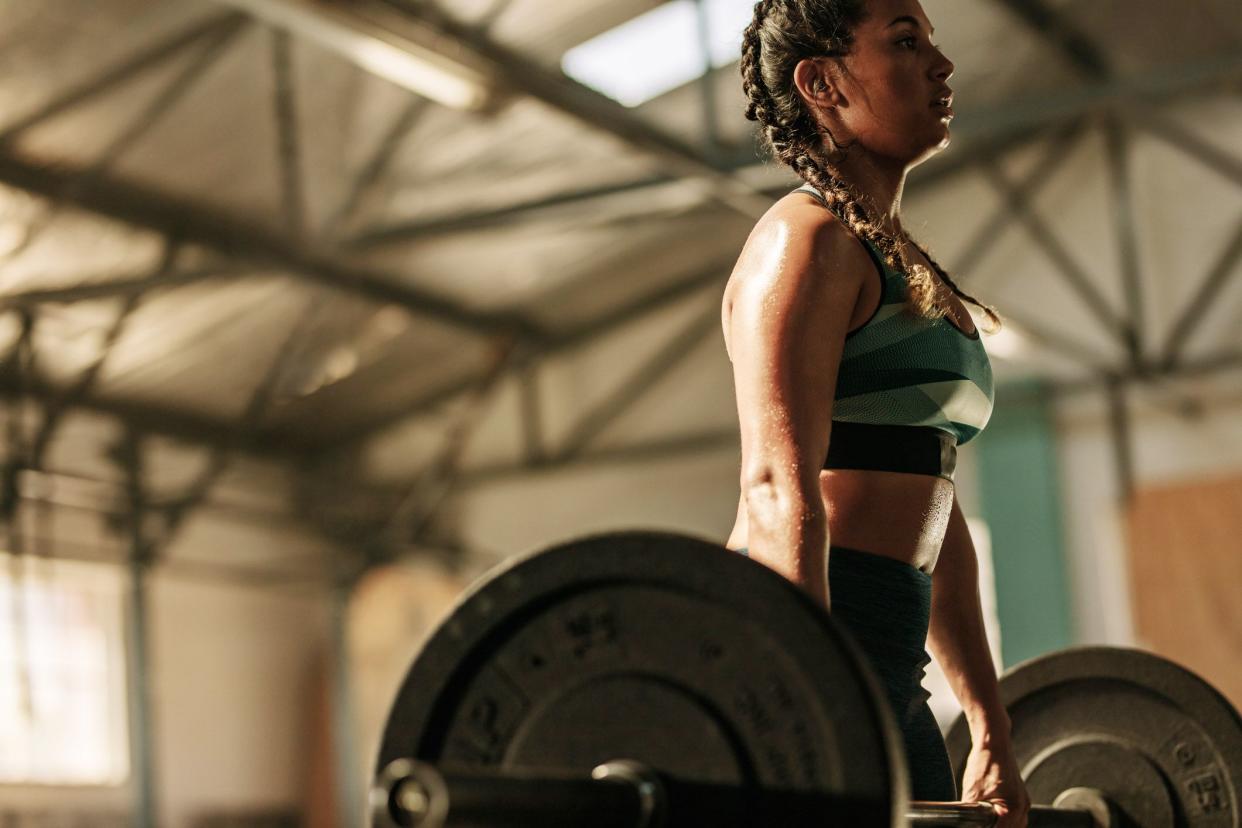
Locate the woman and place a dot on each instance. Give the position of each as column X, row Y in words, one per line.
column 852, row 94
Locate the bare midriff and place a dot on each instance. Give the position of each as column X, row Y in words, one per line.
column 894, row 514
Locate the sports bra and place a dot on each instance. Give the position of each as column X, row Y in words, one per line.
column 909, row 390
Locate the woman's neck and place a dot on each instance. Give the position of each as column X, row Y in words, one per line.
column 880, row 183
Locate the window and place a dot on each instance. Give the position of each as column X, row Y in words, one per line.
column 659, row 50
column 62, row 673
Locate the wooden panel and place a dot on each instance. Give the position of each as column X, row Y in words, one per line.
column 1185, row 544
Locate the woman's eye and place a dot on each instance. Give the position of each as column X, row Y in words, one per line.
column 913, row 41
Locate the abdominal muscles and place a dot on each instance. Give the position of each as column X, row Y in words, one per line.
column 898, row 515
column 895, row 514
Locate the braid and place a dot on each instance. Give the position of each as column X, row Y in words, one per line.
column 781, row 33
column 994, row 320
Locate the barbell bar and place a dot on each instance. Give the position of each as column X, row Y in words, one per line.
column 710, row 673
column 627, row 794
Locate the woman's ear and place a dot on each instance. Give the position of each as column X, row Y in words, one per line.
column 816, row 85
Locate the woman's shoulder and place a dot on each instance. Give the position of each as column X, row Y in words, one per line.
column 798, row 238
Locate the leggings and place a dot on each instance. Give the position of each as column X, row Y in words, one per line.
column 886, row 605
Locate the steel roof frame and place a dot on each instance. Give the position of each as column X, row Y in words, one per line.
column 129, row 203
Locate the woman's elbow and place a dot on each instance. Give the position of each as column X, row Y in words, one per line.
column 776, row 495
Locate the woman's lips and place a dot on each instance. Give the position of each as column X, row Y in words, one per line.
column 945, row 110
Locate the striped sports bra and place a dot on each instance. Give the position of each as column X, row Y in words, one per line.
column 899, row 370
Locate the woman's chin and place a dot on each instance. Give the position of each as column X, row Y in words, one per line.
column 932, row 149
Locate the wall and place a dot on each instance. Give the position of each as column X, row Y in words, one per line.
column 238, row 620
column 233, row 681
column 1181, row 432
column 230, row 683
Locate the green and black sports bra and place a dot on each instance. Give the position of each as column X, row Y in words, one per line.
column 909, row 390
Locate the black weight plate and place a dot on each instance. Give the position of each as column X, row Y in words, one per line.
column 660, row 648
column 1160, row 742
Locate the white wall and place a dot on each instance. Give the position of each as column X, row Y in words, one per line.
column 233, row 690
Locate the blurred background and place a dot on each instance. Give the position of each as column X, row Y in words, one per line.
column 310, row 312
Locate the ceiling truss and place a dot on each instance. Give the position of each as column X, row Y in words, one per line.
column 988, row 133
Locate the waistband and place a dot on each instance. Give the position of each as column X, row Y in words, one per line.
column 885, row 604
column 910, row 449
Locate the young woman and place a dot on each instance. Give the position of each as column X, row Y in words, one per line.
column 858, row 370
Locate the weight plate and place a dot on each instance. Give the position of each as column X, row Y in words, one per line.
column 1158, row 741
column 664, row 649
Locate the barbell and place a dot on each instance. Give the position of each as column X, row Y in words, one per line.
column 647, row 679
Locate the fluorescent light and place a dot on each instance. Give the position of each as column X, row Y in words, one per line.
column 659, row 50
column 422, row 73
column 385, row 43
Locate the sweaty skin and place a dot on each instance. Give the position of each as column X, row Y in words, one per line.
column 901, row 516
column 800, row 284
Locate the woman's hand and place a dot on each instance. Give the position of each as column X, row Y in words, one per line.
column 992, row 776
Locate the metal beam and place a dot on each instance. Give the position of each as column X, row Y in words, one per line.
column 248, row 424
column 1209, row 288
column 1120, row 430
column 1152, row 120
column 1071, row 41
column 145, row 418
column 373, row 170
column 556, row 343
column 1118, row 144
column 108, row 287
column 988, row 131
column 214, row 45
column 1073, row 275
column 436, row 481
column 707, row 83
column 1162, row 83
column 491, row 217
column 1055, row 153
column 654, row 450
column 115, row 76
column 530, row 402
column 54, row 412
column 387, row 43
column 146, row 207
column 516, row 74
column 1057, row 342
column 288, row 145
column 640, row 381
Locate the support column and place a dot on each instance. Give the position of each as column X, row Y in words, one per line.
column 127, row 453
column 141, row 750
column 350, row 797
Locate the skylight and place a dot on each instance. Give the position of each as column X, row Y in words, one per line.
column 659, row 50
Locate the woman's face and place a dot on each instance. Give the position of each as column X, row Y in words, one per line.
column 895, row 81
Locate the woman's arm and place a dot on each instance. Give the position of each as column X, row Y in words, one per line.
column 959, row 642
column 800, row 278
column 957, row 637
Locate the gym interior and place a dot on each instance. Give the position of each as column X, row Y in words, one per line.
column 312, row 313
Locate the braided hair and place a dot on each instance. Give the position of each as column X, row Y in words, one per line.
column 782, row 33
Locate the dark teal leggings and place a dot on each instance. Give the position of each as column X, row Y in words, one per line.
column 886, row 605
